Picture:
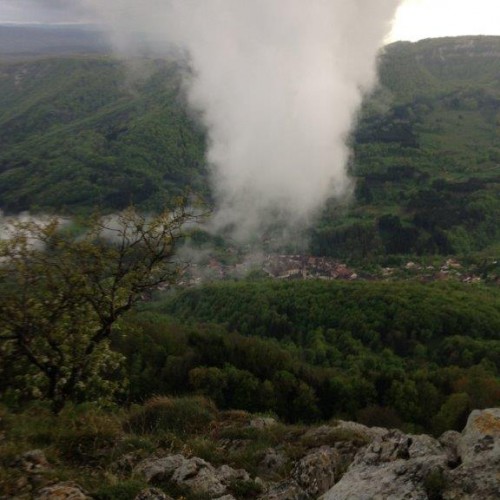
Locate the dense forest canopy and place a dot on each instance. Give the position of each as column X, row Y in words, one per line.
column 385, row 353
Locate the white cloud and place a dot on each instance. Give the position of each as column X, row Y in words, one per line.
column 278, row 83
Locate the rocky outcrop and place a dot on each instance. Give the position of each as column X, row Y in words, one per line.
column 392, row 467
column 342, row 461
column 152, row 494
column 194, row 473
column 316, row 472
column 381, row 464
column 33, row 461
column 310, row 477
column 262, row 422
column 478, row 475
column 62, row 491
column 398, row 466
column 273, row 461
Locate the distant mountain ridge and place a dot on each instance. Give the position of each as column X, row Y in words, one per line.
column 80, row 131
column 29, row 40
column 413, row 68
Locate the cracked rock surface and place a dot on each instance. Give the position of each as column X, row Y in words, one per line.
column 397, row 466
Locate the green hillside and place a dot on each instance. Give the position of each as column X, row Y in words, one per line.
column 427, row 155
column 90, row 131
column 419, row 354
column 84, row 132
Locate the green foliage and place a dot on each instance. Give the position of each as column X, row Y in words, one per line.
column 88, row 435
column 85, row 434
column 124, row 490
column 386, row 353
column 453, row 413
column 435, row 484
column 377, row 416
column 62, row 295
column 426, row 156
column 80, row 133
column 245, row 489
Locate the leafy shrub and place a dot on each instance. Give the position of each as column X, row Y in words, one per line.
column 435, row 484
column 122, row 491
column 245, row 489
column 190, row 415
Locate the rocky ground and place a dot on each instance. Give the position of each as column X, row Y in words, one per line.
column 341, row 461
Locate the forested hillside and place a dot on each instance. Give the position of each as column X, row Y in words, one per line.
column 92, row 131
column 427, row 155
column 385, row 353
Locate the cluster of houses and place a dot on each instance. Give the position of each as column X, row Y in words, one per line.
column 276, row 266
column 450, row 269
column 306, row 267
column 303, row 267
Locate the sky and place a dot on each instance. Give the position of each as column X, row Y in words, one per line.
column 415, row 20
column 418, row 19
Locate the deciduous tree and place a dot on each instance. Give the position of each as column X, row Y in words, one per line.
column 62, row 295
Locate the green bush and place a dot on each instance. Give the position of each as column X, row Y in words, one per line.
column 188, row 415
column 435, row 484
column 245, row 489
column 125, row 490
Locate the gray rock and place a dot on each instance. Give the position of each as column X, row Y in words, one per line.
column 311, row 476
column 62, row 491
column 159, row 469
column 262, row 422
column 273, row 461
column 346, row 437
column 152, row 494
column 369, row 433
column 286, row 490
column 397, row 466
column 393, row 467
column 33, row 461
column 481, row 437
column 227, row 474
column 200, row 476
column 478, row 476
column 316, row 472
column 450, row 441
column 195, row 473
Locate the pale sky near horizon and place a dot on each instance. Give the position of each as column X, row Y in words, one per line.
column 418, row 19
column 415, row 19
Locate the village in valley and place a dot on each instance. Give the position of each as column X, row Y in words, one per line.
column 304, row 267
